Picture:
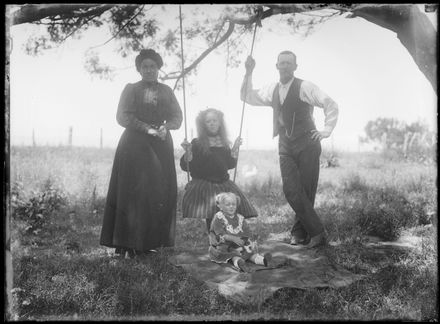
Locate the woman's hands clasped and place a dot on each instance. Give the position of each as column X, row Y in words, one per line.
column 161, row 132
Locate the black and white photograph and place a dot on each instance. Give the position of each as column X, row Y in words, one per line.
column 221, row 162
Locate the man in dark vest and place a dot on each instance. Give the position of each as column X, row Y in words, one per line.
column 299, row 145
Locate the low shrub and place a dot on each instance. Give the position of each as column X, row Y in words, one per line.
column 384, row 213
column 268, row 192
column 354, row 182
column 329, row 159
column 35, row 211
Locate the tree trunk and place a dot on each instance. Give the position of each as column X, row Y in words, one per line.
column 414, row 30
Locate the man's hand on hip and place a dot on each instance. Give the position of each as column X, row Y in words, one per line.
column 319, row 135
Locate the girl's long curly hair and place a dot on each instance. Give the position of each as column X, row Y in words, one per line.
column 202, row 132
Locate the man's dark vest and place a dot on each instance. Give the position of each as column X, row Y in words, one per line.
column 292, row 111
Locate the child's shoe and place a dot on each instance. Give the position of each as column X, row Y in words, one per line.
column 243, row 266
column 267, row 259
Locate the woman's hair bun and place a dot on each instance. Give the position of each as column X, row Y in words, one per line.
column 148, row 53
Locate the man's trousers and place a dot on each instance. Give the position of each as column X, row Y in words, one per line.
column 299, row 163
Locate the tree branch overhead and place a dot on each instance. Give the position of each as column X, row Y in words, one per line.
column 412, row 27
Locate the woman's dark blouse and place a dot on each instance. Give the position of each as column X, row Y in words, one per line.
column 148, row 104
column 211, row 166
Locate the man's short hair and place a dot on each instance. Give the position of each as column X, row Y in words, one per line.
column 287, row 52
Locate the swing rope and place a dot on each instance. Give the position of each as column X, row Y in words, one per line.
column 183, row 86
column 257, row 23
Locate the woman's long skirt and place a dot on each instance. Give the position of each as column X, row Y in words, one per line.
column 199, row 199
column 140, row 210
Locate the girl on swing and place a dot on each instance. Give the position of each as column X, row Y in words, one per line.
column 208, row 159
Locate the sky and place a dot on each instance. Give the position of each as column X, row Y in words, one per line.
column 362, row 66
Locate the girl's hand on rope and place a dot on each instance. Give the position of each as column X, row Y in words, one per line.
column 249, row 65
column 188, row 150
column 162, row 132
column 187, row 146
column 236, row 147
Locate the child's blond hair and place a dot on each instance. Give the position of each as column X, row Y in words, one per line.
column 220, row 198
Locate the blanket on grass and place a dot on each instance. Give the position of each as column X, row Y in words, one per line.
column 294, row 267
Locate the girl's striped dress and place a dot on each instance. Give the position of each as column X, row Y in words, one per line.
column 209, row 173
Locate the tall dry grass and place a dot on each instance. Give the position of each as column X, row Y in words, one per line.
column 62, row 272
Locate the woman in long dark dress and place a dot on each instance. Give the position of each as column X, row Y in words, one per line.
column 140, row 211
column 208, row 158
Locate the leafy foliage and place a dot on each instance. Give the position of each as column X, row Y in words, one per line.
column 58, row 29
column 413, row 140
column 329, row 159
column 134, row 27
column 131, row 26
column 35, row 211
column 95, row 67
column 385, row 213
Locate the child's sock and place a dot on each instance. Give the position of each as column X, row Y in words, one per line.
column 262, row 260
column 259, row 259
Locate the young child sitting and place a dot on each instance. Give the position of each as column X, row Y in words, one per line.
column 230, row 237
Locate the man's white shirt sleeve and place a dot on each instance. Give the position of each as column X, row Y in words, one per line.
column 311, row 94
column 257, row 97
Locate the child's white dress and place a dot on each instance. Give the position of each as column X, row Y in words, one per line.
column 220, row 250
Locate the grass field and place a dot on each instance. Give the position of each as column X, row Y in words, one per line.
column 61, row 272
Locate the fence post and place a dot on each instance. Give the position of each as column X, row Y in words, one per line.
column 422, row 140
column 415, row 135
column 405, row 143
column 69, row 143
column 100, row 141
column 384, row 140
column 33, row 138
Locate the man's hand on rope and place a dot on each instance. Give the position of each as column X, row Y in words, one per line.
column 236, row 147
column 188, row 150
column 319, row 135
column 249, row 65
